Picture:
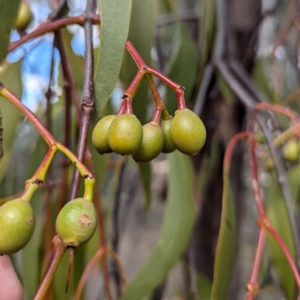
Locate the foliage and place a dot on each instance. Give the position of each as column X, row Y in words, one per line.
column 192, row 216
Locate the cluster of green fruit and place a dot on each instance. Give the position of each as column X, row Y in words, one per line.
column 75, row 224
column 290, row 153
column 125, row 135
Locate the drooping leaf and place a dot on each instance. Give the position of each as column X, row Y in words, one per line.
column 141, row 34
column 224, row 259
column 176, row 228
column 277, row 213
column 115, row 20
column 10, row 76
column 225, row 89
column 206, row 33
column 204, row 287
column 182, row 66
column 8, row 15
column 145, row 172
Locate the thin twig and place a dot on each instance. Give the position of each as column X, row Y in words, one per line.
column 87, row 105
column 59, row 251
column 49, row 27
column 115, row 229
column 202, row 93
column 48, row 218
column 70, row 93
column 60, row 11
column 283, row 183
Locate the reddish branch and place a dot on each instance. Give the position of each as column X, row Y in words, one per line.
column 58, row 253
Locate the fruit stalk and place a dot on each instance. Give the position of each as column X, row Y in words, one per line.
column 39, row 177
column 263, row 221
column 4, row 92
column 58, row 253
column 157, row 98
column 50, row 140
column 252, row 285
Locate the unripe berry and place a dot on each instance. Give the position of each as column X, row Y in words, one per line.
column 76, row 222
column 187, row 132
column 290, row 150
column 24, row 17
column 125, row 134
column 152, row 143
column 100, row 134
column 168, row 144
column 16, row 225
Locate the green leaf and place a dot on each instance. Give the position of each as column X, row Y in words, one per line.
column 115, row 19
column 278, row 215
column 8, row 15
column 182, row 67
column 226, row 246
column 145, row 172
column 141, row 34
column 10, row 76
column 176, row 229
column 225, row 89
column 76, row 61
column 206, row 32
column 204, row 287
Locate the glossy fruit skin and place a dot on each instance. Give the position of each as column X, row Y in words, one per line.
column 152, row 143
column 168, row 144
column 17, row 223
column 290, row 151
column 125, row 134
column 187, row 132
column 76, row 222
column 100, row 134
column 24, row 17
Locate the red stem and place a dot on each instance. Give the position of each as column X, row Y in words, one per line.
column 135, row 84
column 30, row 115
column 230, row 148
column 280, row 109
column 252, row 285
column 102, row 237
column 58, row 253
column 266, row 223
column 135, row 55
column 156, row 115
column 48, row 27
column 128, row 105
column 122, row 109
column 255, row 181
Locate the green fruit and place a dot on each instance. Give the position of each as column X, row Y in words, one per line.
column 152, row 143
column 76, row 222
column 16, row 225
column 168, row 144
column 100, row 134
column 290, row 151
column 269, row 164
column 125, row 134
column 187, row 132
column 24, row 17
column 259, row 138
